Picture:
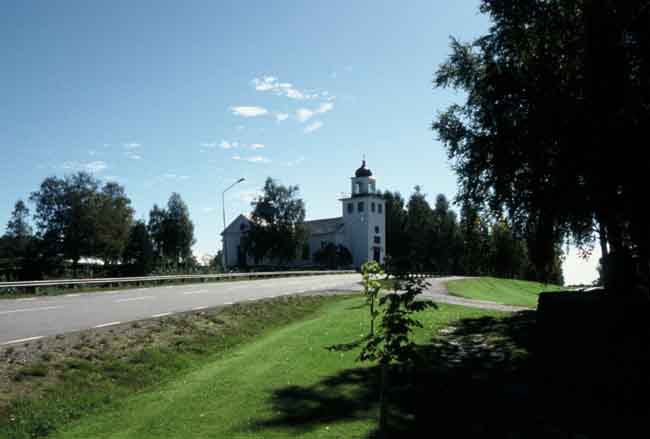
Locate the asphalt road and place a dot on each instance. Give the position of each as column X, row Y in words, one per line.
column 33, row 318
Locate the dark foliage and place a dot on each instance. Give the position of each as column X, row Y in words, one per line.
column 277, row 231
column 333, row 256
column 480, row 381
column 421, row 238
column 558, row 94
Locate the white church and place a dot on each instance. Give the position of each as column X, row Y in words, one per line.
column 361, row 228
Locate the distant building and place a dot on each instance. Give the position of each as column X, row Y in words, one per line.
column 361, row 228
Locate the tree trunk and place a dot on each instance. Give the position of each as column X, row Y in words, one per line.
column 372, row 317
column 603, row 240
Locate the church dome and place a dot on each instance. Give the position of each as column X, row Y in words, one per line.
column 363, row 171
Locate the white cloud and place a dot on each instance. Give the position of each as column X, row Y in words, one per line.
column 132, row 155
column 281, row 116
column 131, row 145
column 304, row 114
column 225, row 144
column 209, row 145
column 248, row 111
column 313, row 126
column 297, row 94
column 94, row 167
column 325, row 107
column 257, row 145
column 265, row 83
column 257, row 159
column 273, row 85
column 252, row 159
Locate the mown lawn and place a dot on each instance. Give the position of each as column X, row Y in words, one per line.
column 266, row 388
column 506, row 291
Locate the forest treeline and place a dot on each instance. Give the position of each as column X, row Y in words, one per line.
column 421, row 237
column 79, row 226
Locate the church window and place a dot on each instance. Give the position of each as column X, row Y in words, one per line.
column 372, row 207
column 360, row 206
column 350, row 207
column 380, row 208
column 357, row 188
column 377, row 228
column 377, row 240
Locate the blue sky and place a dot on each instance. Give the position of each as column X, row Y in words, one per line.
column 188, row 96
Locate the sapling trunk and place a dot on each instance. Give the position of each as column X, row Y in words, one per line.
column 383, row 401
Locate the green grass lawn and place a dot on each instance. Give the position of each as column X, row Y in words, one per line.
column 506, row 291
column 254, row 391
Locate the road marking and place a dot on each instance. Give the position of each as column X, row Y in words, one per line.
column 103, row 325
column 162, row 314
column 73, row 295
column 187, row 293
column 199, row 308
column 21, row 340
column 134, row 298
column 227, row 303
column 28, row 299
column 44, row 308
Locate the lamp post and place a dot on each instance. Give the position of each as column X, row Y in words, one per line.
column 223, row 235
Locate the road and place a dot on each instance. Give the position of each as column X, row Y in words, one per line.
column 37, row 317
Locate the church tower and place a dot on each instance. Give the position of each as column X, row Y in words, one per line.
column 364, row 219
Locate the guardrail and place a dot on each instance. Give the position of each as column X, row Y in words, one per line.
column 34, row 286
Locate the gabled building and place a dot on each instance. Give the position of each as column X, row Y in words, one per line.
column 361, row 228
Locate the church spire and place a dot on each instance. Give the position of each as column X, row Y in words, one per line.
column 363, row 171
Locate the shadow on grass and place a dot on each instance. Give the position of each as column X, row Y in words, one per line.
column 346, row 396
column 478, row 380
column 347, row 347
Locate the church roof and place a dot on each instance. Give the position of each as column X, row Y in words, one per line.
column 363, row 171
column 324, row 226
column 236, row 225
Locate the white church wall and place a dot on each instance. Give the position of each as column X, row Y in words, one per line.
column 362, row 231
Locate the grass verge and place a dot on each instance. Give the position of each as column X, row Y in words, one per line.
column 46, row 384
column 279, row 386
column 298, row 380
column 505, row 291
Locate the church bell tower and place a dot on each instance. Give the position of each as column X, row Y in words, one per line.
column 364, row 219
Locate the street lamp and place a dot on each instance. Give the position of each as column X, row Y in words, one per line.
column 223, row 235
